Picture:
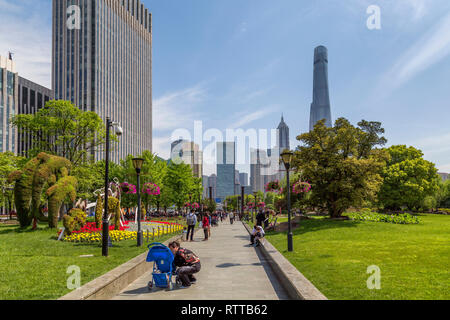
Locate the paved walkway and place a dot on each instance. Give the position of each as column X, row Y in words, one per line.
column 231, row 270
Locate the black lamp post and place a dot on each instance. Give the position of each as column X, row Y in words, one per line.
column 105, row 233
column 286, row 156
column 255, row 195
column 137, row 164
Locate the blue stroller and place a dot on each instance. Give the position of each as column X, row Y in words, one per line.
column 162, row 266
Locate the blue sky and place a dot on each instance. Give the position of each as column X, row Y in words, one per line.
column 241, row 63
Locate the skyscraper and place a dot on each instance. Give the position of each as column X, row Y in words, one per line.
column 283, row 135
column 102, row 62
column 189, row 153
column 9, row 81
column 320, row 107
column 226, row 169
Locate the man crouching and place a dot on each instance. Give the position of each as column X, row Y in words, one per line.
column 187, row 262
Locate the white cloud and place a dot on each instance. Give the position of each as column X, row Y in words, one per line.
column 247, row 118
column 430, row 49
column 29, row 37
column 178, row 109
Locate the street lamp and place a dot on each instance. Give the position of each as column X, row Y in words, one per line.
column 137, row 164
column 286, row 157
column 105, row 234
column 255, row 195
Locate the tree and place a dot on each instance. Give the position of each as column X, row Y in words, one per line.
column 408, row 179
column 179, row 183
column 341, row 163
column 63, row 129
column 8, row 163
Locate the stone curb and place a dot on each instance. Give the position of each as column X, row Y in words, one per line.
column 112, row 283
column 293, row 281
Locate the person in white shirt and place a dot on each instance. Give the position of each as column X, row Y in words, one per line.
column 231, row 217
column 257, row 234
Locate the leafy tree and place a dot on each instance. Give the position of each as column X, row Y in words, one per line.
column 341, row 163
column 408, row 179
column 63, row 129
column 179, row 182
column 8, row 163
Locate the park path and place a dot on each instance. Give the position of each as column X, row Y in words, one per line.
column 231, row 270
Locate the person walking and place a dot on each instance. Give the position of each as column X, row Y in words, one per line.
column 206, row 225
column 231, row 217
column 191, row 221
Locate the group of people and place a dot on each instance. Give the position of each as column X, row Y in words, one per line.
column 187, row 262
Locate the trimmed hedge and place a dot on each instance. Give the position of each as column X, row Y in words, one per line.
column 404, row 218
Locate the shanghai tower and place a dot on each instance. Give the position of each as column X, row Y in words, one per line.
column 320, row 107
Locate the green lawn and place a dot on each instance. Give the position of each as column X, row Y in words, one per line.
column 334, row 255
column 33, row 264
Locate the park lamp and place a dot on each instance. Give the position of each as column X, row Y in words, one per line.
column 137, row 164
column 286, row 157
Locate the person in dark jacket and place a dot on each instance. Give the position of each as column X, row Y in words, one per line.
column 187, row 263
column 260, row 217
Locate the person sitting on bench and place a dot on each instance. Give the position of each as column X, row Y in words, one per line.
column 257, row 235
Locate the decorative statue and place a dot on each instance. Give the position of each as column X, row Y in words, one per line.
column 44, row 170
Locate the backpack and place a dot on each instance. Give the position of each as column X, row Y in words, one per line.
column 190, row 219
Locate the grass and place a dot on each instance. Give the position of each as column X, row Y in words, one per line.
column 33, row 264
column 334, row 255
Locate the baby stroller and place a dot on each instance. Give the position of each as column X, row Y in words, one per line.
column 162, row 259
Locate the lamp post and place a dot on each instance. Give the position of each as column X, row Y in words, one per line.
column 242, row 202
column 137, row 164
column 286, row 156
column 105, row 234
column 255, row 195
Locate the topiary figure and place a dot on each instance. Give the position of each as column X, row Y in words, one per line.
column 65, row 186
column 114, row 211
column 99, row 212
column 44, row 170
column 74, row 221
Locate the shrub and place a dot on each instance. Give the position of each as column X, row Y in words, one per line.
column 404, row 218
column 74, row 221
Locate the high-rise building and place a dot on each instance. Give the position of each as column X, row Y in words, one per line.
column 212, row 183
column 320, row 107
column 189, row 153
column 32, row 98
column 9, row 96
column 102, row 62
column 283, row 136
column 226, row 169
column 243, row 178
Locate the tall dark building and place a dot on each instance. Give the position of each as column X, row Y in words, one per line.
column 102, row 62
column 9, row 81
column 320, row 107
column 283, row 136
column 226, row 169
column 32, row 98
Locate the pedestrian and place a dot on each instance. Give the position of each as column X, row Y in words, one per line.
column 191, row 221
column 256, row 235
column 231, row 217
column 260, row 217
column 187, row 263
column 205, row 224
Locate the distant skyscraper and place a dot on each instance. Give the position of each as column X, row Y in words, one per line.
column 283, row 136
column 226, row 169
column 320, row 107
column 243, row 178
column 105, row 65
column 212, row 182
column 189, row 153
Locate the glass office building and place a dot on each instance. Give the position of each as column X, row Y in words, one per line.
column 226, row 169
column 102, row 62
column 9, row 80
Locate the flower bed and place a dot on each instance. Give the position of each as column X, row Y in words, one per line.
column 89, row 233
column 404, row 218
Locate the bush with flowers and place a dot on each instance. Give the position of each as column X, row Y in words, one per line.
column 261, row 205
column 128, row 188
column 273, row 186
column 151, row 189
column 301, row 187
column 195, row 205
